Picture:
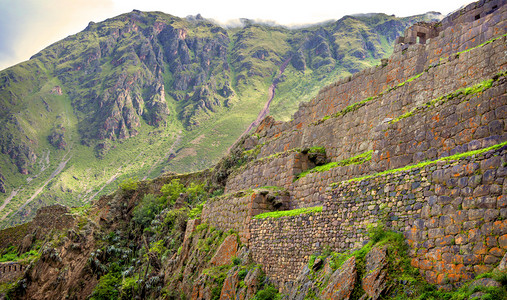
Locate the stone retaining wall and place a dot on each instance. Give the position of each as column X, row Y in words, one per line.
column 453, row 214
column 235, row 211
column 10, row 271
column 351, row 134
column 463, row 123
column 275, row 171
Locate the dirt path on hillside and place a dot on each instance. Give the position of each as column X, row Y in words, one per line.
column 165, row 157
column 265, row 110
column 57, row 171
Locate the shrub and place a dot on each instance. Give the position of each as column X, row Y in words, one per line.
column 172, row 190
column 108, row 287
column 196, row 192
column 196, row 211
column 146, row 211
column 268, row 293
column 129, row 184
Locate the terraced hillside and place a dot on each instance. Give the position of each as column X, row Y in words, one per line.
column 146, row 92
column 390, row 183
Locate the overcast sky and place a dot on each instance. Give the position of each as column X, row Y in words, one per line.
column 28, row 26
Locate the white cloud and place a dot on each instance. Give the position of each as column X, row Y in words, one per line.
column 27, row 26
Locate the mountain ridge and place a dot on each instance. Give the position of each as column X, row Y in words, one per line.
column 144, row 79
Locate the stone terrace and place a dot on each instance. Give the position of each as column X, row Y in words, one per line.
column 442, row 92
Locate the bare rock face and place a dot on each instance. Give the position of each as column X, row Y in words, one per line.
column 374, row 282
column 341, row 283
column 230, row 283
column 26, row 244
column 200, row 290
column 251, row 283
column 225, row 252
column 2, row 184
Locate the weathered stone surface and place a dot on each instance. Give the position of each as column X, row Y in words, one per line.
column 341, row 283
column 230, row 283
column 225, row 252
column 374, row 282
column 201, row 291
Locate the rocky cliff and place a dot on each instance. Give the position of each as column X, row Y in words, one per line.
column 146, row 92
column 390, row 183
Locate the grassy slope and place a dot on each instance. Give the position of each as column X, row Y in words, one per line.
column 85, row 175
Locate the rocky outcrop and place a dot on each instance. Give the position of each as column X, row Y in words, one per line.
column 57, row 138
column 342, row 281
column 225, row 252
column 374, row 281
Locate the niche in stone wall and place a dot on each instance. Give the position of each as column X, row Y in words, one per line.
column 421, row 38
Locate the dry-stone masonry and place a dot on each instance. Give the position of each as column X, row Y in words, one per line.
column 453, row 214
column 441, row 94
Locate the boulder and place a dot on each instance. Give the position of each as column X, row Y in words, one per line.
column 225, row 252
column 374, row 282
column 341, row 283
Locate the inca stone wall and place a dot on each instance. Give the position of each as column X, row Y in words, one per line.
column 10, row 271
column 235, row 211
column 453, row 214
column 47, row 218
column 350, row 134
column 279, row 170
column 461, row 124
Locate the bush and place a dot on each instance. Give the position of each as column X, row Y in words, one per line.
column 108, row 287
column 129, row 287
column 146, row 211
column 172, row 190
column 268, row 293
column 196, row 192
column 129, row 184
column 196, row 211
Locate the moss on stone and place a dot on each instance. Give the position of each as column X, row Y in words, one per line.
column 289, row 213
column 355, row 160
column 426, row 163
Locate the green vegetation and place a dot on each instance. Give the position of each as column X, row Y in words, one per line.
column 426, row 163
column 146, row 211
column 172, row 190
column 289, row 213
column 268, row 293
column 317, row 149
column 477, row 88
column 466, row 91
column 11, row 254
column 355, row 160
column 129, row 184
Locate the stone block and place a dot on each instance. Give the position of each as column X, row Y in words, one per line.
column 502, row 241
column 435, row 233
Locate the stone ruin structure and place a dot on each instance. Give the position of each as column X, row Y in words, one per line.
column 441, row 94
column 10, row 271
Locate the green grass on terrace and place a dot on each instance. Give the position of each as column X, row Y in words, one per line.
column 289, row 213
column 355, row 160
column 355, row 106
column 426, row 163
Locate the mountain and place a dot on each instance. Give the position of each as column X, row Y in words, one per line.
column 390, row 183
column 146, row 93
